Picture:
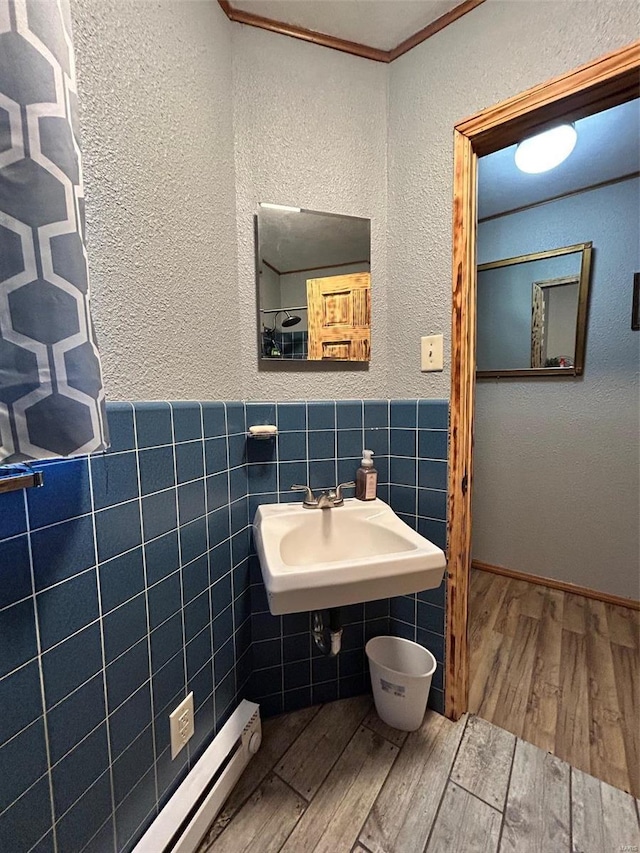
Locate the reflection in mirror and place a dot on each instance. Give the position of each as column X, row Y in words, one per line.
column 314, row 285
column 532, row 313
column 554, row 313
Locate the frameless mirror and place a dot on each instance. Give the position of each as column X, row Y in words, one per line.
column 314, row 285
column 532, row 313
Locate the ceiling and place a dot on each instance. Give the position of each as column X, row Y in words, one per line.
column 307, row 240
column 381, row 24
column 608, row 147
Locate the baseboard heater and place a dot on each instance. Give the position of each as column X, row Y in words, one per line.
column 183, row 822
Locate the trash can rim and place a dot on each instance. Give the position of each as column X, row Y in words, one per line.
column 429, row 674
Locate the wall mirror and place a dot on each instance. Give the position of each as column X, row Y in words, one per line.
column 532, row 313
column 313, row 273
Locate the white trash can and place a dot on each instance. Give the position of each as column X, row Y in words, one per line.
column 401, row 673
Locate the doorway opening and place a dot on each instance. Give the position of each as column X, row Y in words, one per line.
column 605, row 83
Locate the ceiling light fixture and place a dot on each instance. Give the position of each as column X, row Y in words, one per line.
column 546, row 150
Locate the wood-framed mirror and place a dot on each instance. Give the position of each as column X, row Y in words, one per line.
column 532, row 314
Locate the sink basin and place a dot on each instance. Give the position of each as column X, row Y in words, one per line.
column 312, row 559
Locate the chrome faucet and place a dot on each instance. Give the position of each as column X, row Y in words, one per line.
column 327, row 500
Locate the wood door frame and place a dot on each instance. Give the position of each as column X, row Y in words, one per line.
column 610, row 80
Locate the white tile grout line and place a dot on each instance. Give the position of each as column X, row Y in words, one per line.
column 80, row 796
column 306, row 444
column 182, row 610
column 152, row 811
column 46, row 773
column 95, row 834
column 43, row 836
column 209, row 583
column 41, row 675
column 147, row 618
column 39, row 592
column 142, row 823
column 335, row 444
column 104, row 662
column 233, row 584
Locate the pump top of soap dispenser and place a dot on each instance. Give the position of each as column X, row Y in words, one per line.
column 367, row 461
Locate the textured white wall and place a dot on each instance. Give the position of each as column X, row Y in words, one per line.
column 173, row 279
column 157, row 123
column 494, row 52
column 310, row 131
column 556, row 490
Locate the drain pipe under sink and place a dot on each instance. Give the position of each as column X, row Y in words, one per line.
column 331, row 645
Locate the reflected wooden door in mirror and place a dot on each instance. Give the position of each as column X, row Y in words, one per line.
column 313, row 285
column 340, row 317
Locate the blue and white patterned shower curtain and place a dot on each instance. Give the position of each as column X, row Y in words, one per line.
column 51, row 390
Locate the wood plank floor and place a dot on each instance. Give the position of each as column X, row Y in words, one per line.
column 335, row 779
column 560, row 671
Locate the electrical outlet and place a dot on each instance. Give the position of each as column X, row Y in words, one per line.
column 181, row 725
column 432, row 353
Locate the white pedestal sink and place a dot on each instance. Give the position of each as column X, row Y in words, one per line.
column 313, row 559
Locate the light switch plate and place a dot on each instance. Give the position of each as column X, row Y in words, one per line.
column 432, row 353
column 181, row 725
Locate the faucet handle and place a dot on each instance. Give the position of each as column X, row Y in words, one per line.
column 309, row 498
column 349, row 485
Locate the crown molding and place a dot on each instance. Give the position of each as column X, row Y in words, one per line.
column 354, row 48
column 433, row 28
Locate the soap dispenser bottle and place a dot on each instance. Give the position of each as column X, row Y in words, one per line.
column 366, row 478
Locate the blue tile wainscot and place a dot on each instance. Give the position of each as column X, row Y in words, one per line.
column 129, row 579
